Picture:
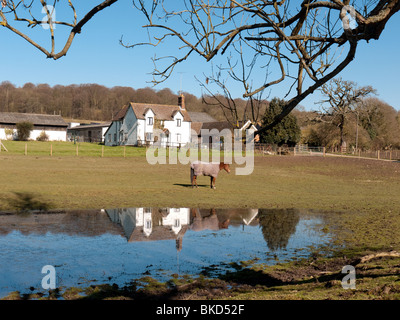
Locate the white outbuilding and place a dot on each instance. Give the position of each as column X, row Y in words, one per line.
column 53, row 125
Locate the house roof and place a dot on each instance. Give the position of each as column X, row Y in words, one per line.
column 201, row 117
column 196, row 126
column 219, row 125
column 121, row 113
column 161, row 111
column 91, row 126
column 36, row 119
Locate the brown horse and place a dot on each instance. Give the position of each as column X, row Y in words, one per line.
column 211, row 170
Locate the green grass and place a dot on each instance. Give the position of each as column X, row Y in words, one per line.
column 91, row 181
column 68, row 149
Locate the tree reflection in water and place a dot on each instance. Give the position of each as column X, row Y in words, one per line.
column 277, row 226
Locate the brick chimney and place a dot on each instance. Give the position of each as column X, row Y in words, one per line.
column 181, row 101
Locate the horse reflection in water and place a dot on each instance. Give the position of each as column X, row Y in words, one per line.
column 210, row 222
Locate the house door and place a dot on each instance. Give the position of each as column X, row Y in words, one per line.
column 164, row 138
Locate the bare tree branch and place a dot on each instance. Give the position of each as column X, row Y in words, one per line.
column 302, row 39
column 21, row 7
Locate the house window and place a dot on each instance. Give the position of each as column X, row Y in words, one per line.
column 109, row 137
column 115, row 137
column 178, row 137
column 149, row 136
column 177, row 223
column 178, row 122
column 148, row 224
column 150, row 121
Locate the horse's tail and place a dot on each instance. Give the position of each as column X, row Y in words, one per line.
column 191, row 175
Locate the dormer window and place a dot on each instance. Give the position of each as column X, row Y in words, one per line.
column 178, row 122
column 150, row 121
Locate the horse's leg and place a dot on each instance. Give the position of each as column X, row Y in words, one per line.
column 212, row 183
column 195, row 181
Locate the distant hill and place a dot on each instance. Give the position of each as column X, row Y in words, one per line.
column 89, row 101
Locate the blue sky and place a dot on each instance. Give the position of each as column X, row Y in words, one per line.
column 97, row 57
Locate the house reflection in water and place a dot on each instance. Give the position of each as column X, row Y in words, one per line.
column 153, row 224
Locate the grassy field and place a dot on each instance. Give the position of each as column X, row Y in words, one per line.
column 362, row 195
column 61, row 149
column 91, row 181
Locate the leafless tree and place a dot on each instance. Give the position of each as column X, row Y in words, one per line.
column 301, row 44
column 341, row 101
column 235, row 110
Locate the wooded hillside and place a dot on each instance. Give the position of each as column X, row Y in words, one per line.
column 89, row 101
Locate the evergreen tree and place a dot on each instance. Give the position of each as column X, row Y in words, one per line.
column 24, row 130
column 286, row 132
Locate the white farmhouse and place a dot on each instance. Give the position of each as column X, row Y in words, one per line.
column 53, row 125
column 143, row 124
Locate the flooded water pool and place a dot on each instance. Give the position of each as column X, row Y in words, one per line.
column 120, row 245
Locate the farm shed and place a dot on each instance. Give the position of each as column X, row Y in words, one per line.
column 53, row 125
column 93, row 132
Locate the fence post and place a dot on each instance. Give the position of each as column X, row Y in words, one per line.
column 26, row 149
column 102, row 151
column 324, row 151
column 51, row 150
column 378, row 154
column 124, row 151
column 77, row 150
column 2, row 145
column 390, row 155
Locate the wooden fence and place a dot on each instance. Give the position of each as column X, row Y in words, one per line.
column 304, row 150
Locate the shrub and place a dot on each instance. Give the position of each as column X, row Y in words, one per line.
column 43, row 136
column 9, row 133
column 24, row 130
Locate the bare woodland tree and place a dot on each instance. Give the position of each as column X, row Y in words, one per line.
column 233, row 108
column 299, row 39
column 294, row 43
column 342, row 100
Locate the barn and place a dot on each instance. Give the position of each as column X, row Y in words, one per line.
column 93, row 132
column 53, row 125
